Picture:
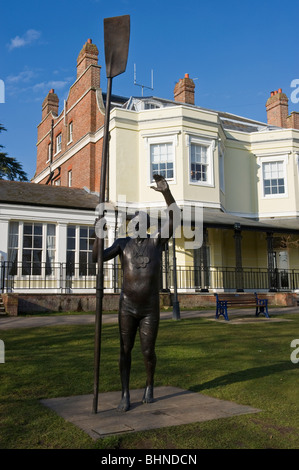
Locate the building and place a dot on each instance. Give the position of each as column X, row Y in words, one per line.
column 243, row 173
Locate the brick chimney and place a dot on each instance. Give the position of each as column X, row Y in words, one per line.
column 50, row 104
column 277, row 109
column 87, row 56
column 184, row 90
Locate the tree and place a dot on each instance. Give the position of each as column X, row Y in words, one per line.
column 10, row 168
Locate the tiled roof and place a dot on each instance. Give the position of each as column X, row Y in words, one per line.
column 16, row 192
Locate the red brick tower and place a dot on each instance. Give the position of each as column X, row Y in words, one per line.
column 69, row 144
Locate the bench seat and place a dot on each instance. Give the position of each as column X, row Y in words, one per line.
column 225, row 300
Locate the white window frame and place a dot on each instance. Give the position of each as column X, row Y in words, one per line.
column 21, row 247
column 161, row 139
column 49, row 152
column 58, row 143
column 210, row 146
column 70, row 133
column 69, row 178
column 274, row 159
column 76, row 274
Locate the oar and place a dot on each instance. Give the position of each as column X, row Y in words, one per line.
column 116, row 40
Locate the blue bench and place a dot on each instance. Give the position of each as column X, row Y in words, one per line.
column 225, row 300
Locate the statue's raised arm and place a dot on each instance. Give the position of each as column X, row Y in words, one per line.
column 173, row 210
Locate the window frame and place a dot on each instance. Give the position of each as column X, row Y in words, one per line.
column 58, row 143
column 70, row 178
column 49, row 152
column 165, row 138
column 274, row 159
column 75, row 269
column 19, row 271
column 209, row 144
column 70, row 130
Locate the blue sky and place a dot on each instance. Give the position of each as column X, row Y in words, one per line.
column 238, row 51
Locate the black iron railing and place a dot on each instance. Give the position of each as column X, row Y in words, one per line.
column 62, row 277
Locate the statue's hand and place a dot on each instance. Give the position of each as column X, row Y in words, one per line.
column 161, row 183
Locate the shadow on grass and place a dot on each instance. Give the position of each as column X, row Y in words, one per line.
column 244, row 375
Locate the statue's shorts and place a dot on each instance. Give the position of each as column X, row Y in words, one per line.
column 144, row 316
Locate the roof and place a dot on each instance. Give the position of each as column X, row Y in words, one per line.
column 32, row 194
column 16, row 192
column 228, row 120
column 216, row 218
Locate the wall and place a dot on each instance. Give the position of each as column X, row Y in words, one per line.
column 82, row 108
column 46, row 303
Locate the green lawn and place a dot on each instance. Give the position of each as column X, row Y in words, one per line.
column 247, row 363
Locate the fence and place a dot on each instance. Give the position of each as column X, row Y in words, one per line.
column 66, row 278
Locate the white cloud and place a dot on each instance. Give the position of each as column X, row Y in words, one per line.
column 28, row 38
column 56, row 84
column 24, row 76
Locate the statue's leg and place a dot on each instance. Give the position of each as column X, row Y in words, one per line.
column 127, row 327
column 148, row 331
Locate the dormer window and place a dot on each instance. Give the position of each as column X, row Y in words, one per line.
column 148, row 105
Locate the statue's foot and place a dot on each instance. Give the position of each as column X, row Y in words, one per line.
column 124, row 404
column 148, row 396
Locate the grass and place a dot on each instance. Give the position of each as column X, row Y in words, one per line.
column 245, row 363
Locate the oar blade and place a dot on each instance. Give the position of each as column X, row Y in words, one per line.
column 116, row 38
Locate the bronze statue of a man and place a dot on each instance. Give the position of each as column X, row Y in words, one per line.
column 139, row 305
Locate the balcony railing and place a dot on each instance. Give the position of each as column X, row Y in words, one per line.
column 63, row 278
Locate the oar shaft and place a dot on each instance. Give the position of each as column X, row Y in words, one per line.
column 100, row 242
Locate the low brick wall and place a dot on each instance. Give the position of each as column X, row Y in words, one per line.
column 43, row 303
column 11, row 304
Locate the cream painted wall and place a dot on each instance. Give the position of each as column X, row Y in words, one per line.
column 131, row 135
column 240, row 180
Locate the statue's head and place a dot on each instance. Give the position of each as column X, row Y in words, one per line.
column 140, row 224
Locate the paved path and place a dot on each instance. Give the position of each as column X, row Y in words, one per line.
column 35, row 321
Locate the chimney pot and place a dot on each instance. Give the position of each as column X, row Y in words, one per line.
column 277, row 109
column 184, row 90
column 87, row 56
